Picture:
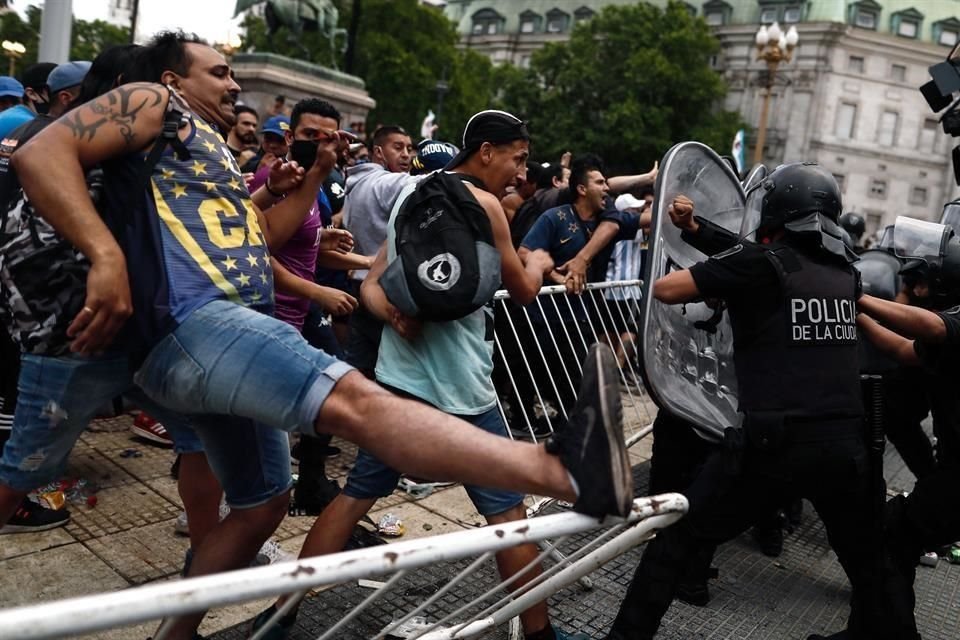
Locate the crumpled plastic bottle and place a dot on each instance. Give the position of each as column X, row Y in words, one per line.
column 391, row 525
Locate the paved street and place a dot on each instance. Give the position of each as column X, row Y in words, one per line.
column 127, row 539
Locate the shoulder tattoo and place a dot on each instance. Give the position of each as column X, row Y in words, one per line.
column 118, row 108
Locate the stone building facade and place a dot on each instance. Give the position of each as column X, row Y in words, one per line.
column 849, row 99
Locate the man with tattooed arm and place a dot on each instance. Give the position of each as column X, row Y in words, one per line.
column 200, row 290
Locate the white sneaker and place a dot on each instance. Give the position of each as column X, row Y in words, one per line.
column 182, row 527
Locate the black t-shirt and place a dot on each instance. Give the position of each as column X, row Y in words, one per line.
column 742, row 271
column 745, row 279
column 943, row 358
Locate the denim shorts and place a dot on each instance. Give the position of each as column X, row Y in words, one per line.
column 371, row 478
column 58, row 396
column 230, row 360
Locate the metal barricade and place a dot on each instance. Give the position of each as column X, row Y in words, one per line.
column 115, row 609
column 539, row 349
column 538, row 355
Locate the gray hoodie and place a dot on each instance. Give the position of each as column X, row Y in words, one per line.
column 371, row 194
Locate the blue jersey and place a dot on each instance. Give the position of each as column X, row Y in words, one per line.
column 212, row 244
column 193, row 237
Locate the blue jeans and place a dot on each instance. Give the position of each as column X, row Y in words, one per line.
column 230, row 360
column 371, row 478
column 59, row 396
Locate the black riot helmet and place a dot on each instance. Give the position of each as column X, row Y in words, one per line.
column 804, row 200
column 938, row 247
column 854, row 224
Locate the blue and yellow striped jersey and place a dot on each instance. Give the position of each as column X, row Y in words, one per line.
column 212, row 245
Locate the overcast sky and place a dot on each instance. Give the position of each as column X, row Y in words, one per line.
column 211, row 19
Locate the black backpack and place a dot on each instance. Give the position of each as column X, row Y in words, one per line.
column 447, row 265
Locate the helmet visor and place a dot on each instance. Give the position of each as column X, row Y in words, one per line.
column 951, row 215
column 919, row 239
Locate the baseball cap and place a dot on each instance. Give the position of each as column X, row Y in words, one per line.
column 10, row 87
column 629, row 201
column 68, row 74
column 277, row 125
column 493, row 126
column 432, row 155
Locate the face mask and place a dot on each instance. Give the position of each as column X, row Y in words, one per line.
column 304, row 152
column 41, row 107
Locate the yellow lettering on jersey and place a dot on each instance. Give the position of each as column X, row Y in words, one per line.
column 210, row 211
column 254, row 233
column 191, row 246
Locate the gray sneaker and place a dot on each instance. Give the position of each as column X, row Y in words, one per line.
column 591, row 445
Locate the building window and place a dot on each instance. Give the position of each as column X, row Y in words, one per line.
column 791, row 15
column 487, row 22
column 874, row 220
column 529, row 22
column 846, row 120
column 887, row 133
column 898, row 73
column 841, row 181
column 928, row 136
column 714, row 18
column 918, row 195
column 945, row 32
column 557, row 21
column 864, row 14
column 855, row 64
column 906, row 23
column 582, row 14
column 908, row 29
column 769, row 15
column 878, row 188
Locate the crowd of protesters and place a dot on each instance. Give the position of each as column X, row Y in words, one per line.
column 228, row 273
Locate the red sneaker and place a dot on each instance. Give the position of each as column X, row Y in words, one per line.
column 146, row 427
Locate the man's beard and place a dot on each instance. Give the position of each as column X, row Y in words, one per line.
column 248, row 139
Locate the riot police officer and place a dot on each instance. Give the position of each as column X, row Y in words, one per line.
column 855, row 225
column 930, row 516
column 791, row 305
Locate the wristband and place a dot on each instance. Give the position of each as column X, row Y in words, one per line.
column 271, row 191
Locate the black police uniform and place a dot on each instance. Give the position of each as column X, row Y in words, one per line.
column 930, row 516
column 795, row 353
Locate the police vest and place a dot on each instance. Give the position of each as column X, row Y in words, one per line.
column 801, row 359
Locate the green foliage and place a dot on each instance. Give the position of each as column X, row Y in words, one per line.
column 87, row 38
column 311, row 46
column 90, row 38
column 403, row 49
column 630, row 83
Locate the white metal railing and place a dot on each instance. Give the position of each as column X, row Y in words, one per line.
column 93, row 613
column 538, row 361
column 537, row 371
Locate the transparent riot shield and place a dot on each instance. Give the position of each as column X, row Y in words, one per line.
column 688, row 349
column 754, row 195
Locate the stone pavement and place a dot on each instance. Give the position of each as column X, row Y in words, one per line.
column 128, row 539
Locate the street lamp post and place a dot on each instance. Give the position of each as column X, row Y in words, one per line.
column 13, row 51
column 773, row 47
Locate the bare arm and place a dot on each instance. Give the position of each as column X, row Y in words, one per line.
column 893, row 344
column 344, row 261
column 330, row 300
column 912, row 321
column 522, row 278
column 284, row 218
column 676, row 288
column 375, row 300
column 51, row 169
column 621, row 184
column 576, row 269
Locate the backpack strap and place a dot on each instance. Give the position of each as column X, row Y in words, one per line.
column 169, row 137
column 474, row 180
